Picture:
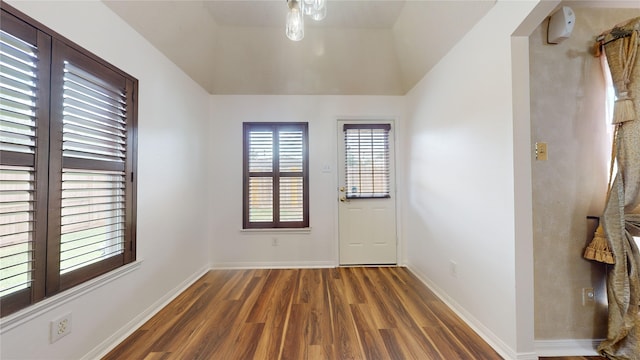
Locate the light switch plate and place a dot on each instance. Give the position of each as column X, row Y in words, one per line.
column 541, row 151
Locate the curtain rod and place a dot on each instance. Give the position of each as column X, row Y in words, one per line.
column 616, row 33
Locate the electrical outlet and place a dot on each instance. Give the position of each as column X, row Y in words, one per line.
column 588, row 296
column 60, row 327
column 274, row 241
column 453, row 268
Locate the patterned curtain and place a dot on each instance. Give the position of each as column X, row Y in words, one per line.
column 621, row 218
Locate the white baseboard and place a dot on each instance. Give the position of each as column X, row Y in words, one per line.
column 550, row 348
column 567, row 347
column 119, row 336
column 527, row 356
column 487, row 335
column 274, row 265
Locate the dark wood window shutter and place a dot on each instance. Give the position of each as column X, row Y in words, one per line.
column 89, row 118
column 67, row 157
column 24, row 146
column 276, row 180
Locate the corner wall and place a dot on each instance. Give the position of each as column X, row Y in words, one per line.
column 171, row 228
column 459, row 220
column 235, row 247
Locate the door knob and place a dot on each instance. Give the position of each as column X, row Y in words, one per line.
column 342, row 189
column 344, row 199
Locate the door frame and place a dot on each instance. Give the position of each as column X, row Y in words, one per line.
column 336, row 180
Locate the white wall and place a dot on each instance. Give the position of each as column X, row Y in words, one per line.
column 173, row 115
column 461, row 205
column 235, row 248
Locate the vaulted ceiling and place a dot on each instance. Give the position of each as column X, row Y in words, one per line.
column 379, row 47
column 362, row 47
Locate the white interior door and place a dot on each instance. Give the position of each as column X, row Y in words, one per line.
column 366, row 193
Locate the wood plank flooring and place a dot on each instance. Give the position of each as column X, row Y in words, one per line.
column 340, row 313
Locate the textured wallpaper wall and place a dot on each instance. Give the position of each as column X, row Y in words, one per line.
column 568, row 113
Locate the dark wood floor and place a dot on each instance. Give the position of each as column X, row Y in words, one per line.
column 341, row 313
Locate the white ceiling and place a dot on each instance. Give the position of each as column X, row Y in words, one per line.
column 362, row 47
column 344, row 14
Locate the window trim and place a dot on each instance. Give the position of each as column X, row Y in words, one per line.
column 276, row 175
column 45, row 281
column 26, row 314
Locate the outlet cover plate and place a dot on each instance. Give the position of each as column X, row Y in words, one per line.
column 453, row 268
column 588, row 296
column 60, row 327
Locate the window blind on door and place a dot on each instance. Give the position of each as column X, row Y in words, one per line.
column 367, row 163
column 18, row 85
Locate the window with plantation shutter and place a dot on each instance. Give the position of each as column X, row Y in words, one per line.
column 276, row 190
column 92, row 115
column 24, row 150
column 367, row 166
column 67, row 160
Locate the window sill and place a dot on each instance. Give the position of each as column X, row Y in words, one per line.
column 277, row 231
column 22, row 316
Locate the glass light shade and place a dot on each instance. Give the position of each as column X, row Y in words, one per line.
column 307, row 7
column 319, row 5
column 295, row 21
column 319, row 13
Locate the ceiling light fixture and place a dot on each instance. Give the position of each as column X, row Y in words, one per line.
column 316, row 9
